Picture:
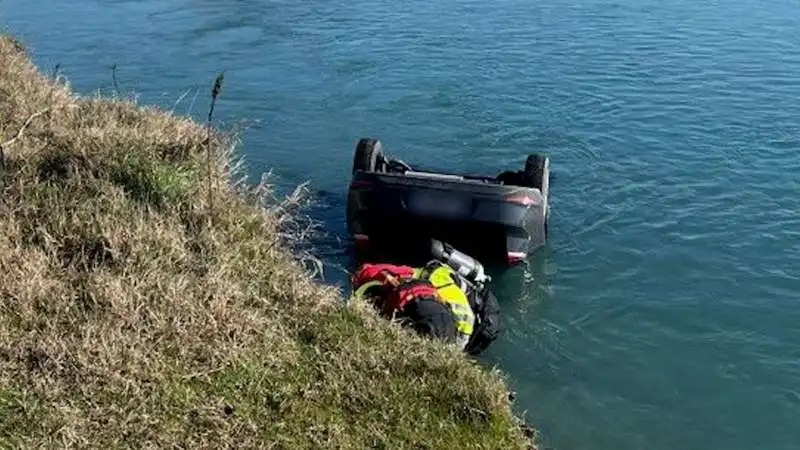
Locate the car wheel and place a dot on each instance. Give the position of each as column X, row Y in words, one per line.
column 533, row 176
column 368, row 156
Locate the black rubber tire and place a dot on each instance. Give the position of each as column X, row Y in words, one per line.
column 368, row 156
column 533, row 175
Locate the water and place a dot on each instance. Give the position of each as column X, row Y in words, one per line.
column 664, row 312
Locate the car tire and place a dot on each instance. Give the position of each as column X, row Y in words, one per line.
column 533, row 175
column 368, row 156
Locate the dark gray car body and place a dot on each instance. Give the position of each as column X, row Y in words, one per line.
column 476, row 214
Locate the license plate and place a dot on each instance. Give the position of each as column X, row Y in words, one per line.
column 440, row 205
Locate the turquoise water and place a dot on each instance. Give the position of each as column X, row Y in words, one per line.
column 664, row 312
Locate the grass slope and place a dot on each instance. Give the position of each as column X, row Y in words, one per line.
column 146, row 300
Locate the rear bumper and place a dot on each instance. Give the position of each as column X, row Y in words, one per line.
column 500, row 223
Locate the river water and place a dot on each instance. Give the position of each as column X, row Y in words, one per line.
column 664, row 311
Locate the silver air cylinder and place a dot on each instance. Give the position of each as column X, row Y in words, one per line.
column 465, row 265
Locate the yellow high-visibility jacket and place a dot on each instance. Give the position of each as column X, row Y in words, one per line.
column 446, row 281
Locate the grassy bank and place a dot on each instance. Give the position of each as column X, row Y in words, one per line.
column 146, row 300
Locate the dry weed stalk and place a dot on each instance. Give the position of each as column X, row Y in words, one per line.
column 18, row 135
column 114, row 80
column 215, row 91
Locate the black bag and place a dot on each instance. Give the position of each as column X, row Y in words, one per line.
column 488, row 326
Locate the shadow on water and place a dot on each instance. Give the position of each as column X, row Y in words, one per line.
column 524, row 292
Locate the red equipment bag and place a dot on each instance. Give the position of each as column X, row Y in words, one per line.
column 378, row 272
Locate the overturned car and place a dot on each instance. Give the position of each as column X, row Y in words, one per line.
column 496, row 218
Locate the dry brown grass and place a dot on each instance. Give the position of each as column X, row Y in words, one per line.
column 133, row 315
